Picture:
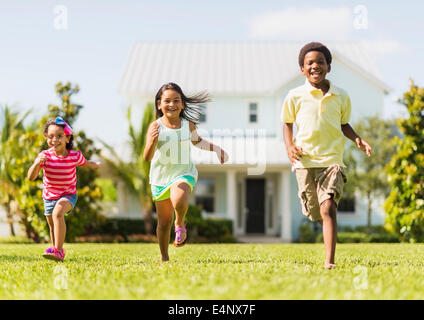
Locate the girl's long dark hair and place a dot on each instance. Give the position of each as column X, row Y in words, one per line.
column 70, row 144
column 192, row 108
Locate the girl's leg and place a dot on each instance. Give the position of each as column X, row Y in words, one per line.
column 180, row 193
column 165, row 213
column 62, row 206
column 51, row 227
column 328, row 210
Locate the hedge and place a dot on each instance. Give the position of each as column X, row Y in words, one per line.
column 361, row 237
column 132, row 230
column 310, row 233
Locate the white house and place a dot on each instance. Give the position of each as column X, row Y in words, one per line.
column 248, row 82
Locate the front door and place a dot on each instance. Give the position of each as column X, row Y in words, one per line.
column 255, row 205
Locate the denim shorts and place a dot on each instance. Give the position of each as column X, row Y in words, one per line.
column 50, row 204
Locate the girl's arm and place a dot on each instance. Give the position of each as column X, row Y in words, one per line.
column 92, row 164
column 352, row 135
column 34, row 170
column 206, row 145
column 151, row 141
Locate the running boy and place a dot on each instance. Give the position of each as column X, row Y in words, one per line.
column 321, row 112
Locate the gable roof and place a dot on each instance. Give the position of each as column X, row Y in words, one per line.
column 244, row 68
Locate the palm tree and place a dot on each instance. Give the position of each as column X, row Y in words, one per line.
column 11, row 129
column 135, row 172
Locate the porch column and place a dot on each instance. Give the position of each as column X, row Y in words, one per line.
column 232, row 198
column 284, row 205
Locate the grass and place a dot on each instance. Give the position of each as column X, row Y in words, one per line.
column 213, row 271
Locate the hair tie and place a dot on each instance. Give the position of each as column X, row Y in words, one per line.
column 67, row 129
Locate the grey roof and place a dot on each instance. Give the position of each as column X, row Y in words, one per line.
column 228, row 67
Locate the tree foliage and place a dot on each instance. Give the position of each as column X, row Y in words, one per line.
column 367, row 175
column 405, row 204
column 134, row 172
column 11, row 131
column 24, row 144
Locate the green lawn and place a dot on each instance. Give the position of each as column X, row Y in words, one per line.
column 213, row 271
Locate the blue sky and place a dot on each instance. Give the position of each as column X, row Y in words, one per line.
column 92, row 51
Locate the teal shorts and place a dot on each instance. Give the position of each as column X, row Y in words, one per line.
column 164, row 192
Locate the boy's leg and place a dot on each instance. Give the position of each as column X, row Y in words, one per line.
column 328, row 212
column 330, row 188
column 165, row 213
column 180, row 193
column 61, row 208
column 51, row 227
column 308, row 193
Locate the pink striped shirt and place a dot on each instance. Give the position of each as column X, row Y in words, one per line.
column 60, row 173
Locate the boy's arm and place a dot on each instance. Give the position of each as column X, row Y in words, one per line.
column 352, row 135
column 293, row 152
column 203, row 144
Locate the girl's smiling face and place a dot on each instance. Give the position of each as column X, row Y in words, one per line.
column 171, row 104
column 57, row 139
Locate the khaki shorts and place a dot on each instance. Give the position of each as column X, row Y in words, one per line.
column 317, row 185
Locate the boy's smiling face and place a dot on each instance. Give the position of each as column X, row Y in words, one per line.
column 315, row 68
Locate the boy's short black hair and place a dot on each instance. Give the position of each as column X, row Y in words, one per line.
column 314, row 46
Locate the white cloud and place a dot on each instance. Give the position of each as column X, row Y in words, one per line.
column 304, row 24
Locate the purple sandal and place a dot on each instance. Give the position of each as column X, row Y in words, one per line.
column 177, row 240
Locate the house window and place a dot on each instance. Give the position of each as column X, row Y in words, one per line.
column 203, row 114
column 253, row 112
column 346, row 205
column 205, row 194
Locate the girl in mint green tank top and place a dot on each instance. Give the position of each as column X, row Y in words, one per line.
column 173, row 174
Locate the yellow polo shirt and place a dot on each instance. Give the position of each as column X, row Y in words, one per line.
column 318, row 120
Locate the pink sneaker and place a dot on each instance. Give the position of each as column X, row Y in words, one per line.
column 48, row 252
column 57, row 255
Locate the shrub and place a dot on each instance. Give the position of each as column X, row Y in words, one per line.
column 374, row 229
column 362, row 237
column 383, row 238
column 15, row 240
column 216, row 230
column 346, row 229
column 307, row 233
column 131, row 230
column 120, row 226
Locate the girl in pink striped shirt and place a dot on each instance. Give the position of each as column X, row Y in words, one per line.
column 59, row 164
